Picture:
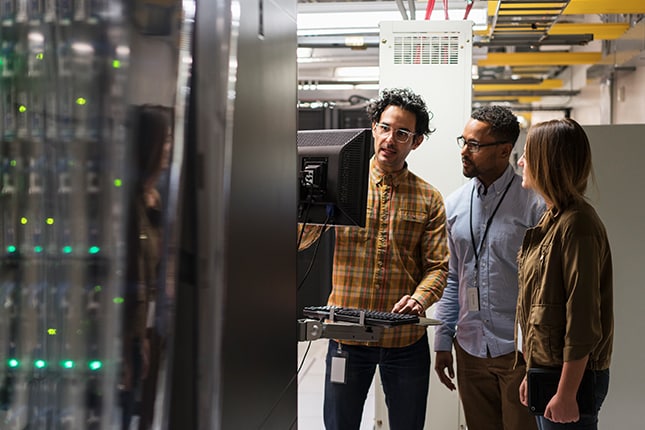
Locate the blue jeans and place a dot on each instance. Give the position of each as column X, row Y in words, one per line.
column 405, row 375
column 586, row 422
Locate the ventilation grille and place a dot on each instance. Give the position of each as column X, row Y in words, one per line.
column 426, row 49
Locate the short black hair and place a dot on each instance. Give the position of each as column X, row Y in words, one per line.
column 503, row 123
column 405, row 99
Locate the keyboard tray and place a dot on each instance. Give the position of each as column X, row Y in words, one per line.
column 353, row 315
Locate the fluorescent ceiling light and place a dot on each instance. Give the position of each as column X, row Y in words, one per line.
column 355, row 41
column 337, row 87
column 367, row 87
column 304, row 52
column 356, row 72
column 312, row 23
column 312, row 60
column 314, row 87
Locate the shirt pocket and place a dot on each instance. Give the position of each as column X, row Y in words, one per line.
column 409, row 228
column 546, row 330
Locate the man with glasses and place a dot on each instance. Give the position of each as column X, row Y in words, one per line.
column 486, row 221
column 397, row 263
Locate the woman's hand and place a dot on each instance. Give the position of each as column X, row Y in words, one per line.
column 562, row 409
column 524, row 396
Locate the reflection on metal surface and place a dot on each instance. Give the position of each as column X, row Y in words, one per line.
column 169, row 264
column 225, row 35
column 162, row 45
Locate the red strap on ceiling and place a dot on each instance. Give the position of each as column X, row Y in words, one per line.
column 430, row 7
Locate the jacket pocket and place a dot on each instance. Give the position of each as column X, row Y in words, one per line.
column 547, row 328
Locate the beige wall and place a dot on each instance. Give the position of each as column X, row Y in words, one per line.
column 604, row 102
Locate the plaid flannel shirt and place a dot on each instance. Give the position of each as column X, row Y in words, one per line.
column 402, row 250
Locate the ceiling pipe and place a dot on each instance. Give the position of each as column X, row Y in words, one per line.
column 401, row 6
column 413, row 9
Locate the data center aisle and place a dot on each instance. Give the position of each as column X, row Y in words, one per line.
column 311, row 383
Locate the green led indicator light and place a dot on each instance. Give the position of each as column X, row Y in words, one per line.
column 95, row 365
column 81, row 101
column 22, row 108
column 94, row 250
column 11, row 248
column 116, row 64
column 118, row 182
column 13, row 163
column 40, row 364
column 24, row 220
column 117, row 300
column 49, row 221
column 40, row 56
column 67, row 364
column 51, row 331
column 67, row 249
column 98, row 288
column 13, row 363
column 38, row 249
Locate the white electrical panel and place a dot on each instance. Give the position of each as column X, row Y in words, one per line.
column 434, row 59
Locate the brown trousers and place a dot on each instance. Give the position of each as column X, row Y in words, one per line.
column 489, row 391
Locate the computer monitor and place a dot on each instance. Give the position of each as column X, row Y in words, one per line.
column 333, row 176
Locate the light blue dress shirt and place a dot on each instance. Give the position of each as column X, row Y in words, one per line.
column 490, row 329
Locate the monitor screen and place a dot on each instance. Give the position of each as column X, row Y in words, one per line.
column 333, row 176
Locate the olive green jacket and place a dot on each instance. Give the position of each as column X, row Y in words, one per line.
column 565, row 302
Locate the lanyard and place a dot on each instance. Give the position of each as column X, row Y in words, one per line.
column 488, row 223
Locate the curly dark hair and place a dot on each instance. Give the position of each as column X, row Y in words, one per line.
column 405, row 99
column 503, row 123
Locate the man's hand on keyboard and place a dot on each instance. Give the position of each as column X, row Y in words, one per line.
column 407, row 305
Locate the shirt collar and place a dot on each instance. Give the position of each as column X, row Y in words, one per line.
column 498, row 186
column 380, row 177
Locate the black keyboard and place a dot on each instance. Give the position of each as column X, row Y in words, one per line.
column 353, row 315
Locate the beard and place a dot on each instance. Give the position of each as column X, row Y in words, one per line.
column 468, row 168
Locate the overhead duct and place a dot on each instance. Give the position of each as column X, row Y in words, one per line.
column 623, row 54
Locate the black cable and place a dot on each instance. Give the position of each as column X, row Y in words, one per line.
column 304, row 224
column 277, row 402
column 303, row 358
column 313, row 257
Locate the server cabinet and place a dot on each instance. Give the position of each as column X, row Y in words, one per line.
column 69, row 179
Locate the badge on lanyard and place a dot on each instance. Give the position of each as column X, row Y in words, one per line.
column 472, row 293
column 338, row 373
column 473, row 299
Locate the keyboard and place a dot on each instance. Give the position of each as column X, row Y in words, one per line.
column 354, row 315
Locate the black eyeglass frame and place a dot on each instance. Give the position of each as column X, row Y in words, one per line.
column 476, row 146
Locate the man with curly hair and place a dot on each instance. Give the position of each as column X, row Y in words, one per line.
column 486, row 221
column 397, row 263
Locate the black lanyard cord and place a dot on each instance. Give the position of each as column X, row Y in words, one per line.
column 488, row 223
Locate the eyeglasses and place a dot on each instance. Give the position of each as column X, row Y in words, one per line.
column 398, row 134
column 473, row 146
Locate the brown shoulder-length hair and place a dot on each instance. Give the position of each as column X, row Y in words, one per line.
column 559, row 159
